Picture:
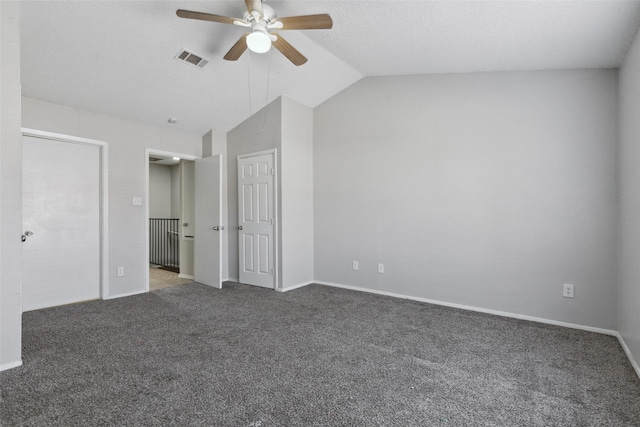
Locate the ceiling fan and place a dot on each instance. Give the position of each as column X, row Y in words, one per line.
column 260, row 18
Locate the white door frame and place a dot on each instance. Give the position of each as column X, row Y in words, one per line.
column 103, row 149
column 276, row 221
column 148, row 153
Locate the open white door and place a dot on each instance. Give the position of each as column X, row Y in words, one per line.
column 207, row 263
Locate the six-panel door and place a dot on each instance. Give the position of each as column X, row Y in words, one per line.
column 256, row 220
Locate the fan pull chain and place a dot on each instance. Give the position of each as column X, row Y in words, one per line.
column 249, row 84
column 266, row 101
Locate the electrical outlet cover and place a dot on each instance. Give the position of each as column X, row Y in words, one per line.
column 567, row 290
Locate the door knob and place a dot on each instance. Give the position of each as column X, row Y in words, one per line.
column 218, row 227
column 25, row 235
column 239, row 227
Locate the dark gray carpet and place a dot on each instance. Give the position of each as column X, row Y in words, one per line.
column 245, row 356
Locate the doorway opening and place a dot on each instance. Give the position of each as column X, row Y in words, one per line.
column 169, row 194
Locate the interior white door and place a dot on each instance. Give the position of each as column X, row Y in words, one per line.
column 207, row 262
column 256, row 220
column 61, row 207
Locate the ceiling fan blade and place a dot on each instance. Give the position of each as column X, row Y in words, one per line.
column 204, row 16
column 254, row 5
column 307, row 22
column 289, row 51
column 237, row 49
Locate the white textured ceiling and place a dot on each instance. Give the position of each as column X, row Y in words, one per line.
column 116, row 57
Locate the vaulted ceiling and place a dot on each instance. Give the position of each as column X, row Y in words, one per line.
column 117, row 57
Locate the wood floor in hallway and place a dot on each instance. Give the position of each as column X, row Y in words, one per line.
column 160, row 279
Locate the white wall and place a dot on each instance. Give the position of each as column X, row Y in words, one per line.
column 258, row 133
column 287, row 126
column 127, row 143
column 297, row 193
column 175, row 191
column 10, row 188
column 160, row 186
column 629, row 220
column 488, row 190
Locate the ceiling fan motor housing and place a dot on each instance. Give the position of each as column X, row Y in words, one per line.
column 268, row 15
column 259, row 40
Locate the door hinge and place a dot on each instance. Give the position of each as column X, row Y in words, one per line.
column 271, row 221
column 271, row 171
column 271, row 273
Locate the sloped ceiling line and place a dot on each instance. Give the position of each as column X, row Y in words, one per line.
column 116, row 57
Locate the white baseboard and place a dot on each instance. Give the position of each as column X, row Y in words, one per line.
column 185, row 276
column 629, row 354
column 478, row 309
column 232, row 279
column 290, row 288
column 10, row 365
column 125, row 295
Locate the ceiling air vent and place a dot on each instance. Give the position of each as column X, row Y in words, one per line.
column 191, row 59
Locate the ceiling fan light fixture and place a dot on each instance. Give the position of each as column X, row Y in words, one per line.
column 260, row 18
column 259, row 41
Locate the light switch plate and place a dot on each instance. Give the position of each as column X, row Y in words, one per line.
column 137, row 201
